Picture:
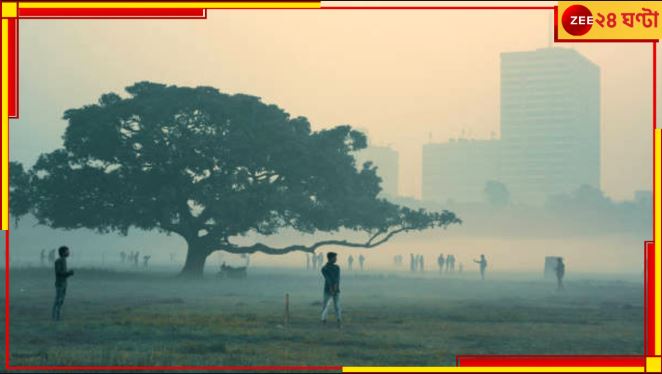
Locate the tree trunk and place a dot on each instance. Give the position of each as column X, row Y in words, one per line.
column 195, row 262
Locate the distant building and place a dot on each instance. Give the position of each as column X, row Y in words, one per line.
column 458, row 170
column 550, row 134
column 550, row 123
column 386, row 159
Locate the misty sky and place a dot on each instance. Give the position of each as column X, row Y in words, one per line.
column 402, row 75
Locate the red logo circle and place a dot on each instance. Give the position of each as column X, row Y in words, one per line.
column 577, row 20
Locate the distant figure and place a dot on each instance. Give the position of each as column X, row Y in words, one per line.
column 440, row 262
column 421, row 263
column 146, row 260
column 122, row 257
column 51, row 257
column 331, row 273
column 560, row 272
column 350, row 261
column 483, row 264
column 307, row 261
column 451, row 260
column 461, row 267
column 61, row 275
column 412, row 262
column 361, row 261
column 320, row 259
column 42, row 257
column 136, row 258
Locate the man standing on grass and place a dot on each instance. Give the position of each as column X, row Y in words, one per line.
column 440, row 262
column 483, row 265
column 560, row 272
column 331, row 273
column 61, row 275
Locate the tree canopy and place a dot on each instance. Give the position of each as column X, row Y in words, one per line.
column 209, row 167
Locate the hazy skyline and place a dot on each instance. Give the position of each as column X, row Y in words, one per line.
column 405, row 76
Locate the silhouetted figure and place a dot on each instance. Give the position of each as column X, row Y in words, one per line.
column 320, row 259
column 412, row 262
column 61, row 275
column 440, row 262
column 560, row 272
column 122, row 257
column 350, row 261
column 421, row 263
column 51, row 257
column 361, row 261
column 483, row 264
column 42, row 257
column 451, row 260
column 331, row 273
column 146, row 260
column 136, row 258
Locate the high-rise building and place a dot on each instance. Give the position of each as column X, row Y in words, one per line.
column 550, row 123
column 458, row 170
column 386, row 160
column 550, row 134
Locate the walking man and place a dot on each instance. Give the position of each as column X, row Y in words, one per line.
column 331, row 273
column 61, row 275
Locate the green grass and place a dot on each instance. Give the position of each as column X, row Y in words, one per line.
column 153, row 319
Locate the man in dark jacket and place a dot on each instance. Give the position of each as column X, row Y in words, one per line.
column 331, row 273
column 61, row 275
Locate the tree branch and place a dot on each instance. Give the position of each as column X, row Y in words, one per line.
column 260, row 247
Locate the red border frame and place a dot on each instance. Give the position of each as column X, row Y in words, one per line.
column 461, row 360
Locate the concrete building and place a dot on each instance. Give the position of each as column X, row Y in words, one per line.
column 387, row 161
column 458, row 170
column 550, row 134
column 550, row 123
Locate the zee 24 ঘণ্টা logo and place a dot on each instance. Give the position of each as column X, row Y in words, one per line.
column 577, row 19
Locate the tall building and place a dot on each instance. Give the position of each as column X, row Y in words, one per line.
column 550, row 134
column 458, row 170
column 550, row 123
column 386, row 159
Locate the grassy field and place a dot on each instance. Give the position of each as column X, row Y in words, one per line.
column 114, row 318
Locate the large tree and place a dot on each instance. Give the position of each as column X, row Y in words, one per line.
column 211, row 167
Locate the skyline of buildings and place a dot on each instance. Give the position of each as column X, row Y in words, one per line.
column 550, row 134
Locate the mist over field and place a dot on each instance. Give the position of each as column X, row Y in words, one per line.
column 193, row 185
